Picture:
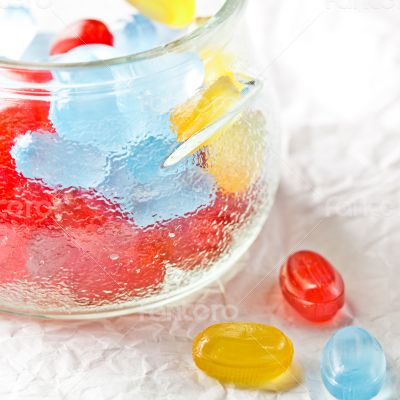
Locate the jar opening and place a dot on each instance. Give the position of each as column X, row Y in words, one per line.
column 229, row 10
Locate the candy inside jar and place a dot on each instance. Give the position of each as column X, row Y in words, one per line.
column 92, row 111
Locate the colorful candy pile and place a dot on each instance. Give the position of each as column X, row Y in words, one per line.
column 84, row 194
column 353, row 364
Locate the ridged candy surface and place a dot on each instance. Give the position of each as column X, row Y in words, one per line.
column 312, row 286
column 353, row 365
column 79, row 33
column 243, row 353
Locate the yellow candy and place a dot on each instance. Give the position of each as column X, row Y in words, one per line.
column 198, row 113
column 235, row 153
column 217, row 64
column 175, row 13
column 236, row 158
column 243, row 353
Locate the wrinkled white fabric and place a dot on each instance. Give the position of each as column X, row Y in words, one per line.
column 335, row 66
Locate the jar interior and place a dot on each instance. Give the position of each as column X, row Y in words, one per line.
column 93, row 218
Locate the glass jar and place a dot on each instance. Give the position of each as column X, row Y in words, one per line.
column 130, row 183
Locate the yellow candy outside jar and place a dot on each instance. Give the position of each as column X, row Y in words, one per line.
column 174, row 13
column 243, row 353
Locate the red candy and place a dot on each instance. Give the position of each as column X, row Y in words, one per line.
column 70, row 238
column 86, row 210
column 114, row 262
column 21, row 200
column 78, row 241
column 201, row 237
column 312, row 286
column 26, row 75
column 30, row 203
column 87, row 31
column 12, row 253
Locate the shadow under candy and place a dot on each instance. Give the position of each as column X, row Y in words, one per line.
column 293, row 377
column 290, row 379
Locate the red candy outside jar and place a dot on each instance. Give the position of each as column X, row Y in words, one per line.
column 87, row 31
column 312, row 286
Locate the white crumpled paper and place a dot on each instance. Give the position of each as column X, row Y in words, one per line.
column 336, row 69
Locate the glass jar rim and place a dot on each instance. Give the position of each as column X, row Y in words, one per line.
column 229, row 9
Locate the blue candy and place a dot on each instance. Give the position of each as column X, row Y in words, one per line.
column 127, row 124
column 138, row 33
column 17, row 30
column 98, row 107
column 135, row 34
column 113, row 118
column 150, row 194
column 133, row 179
column 58, row 163
column 353, row 365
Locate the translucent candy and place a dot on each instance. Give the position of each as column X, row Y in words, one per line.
column 142, row 89
column 353, row 365
column 235, row 152
column 79, row 33
column 175, row 13
column 17, row 30
column 243, row 353
column 30, row 203
column 108, row 122
column 207, row 232
column 204, row 109
column 217, row 63
column 236, row 158
column 135, row 34
column 109, row 263
column 12, row 253
column 23, row 202
column 116, row 125
column 312, row 286
column 138, row 33
column 57, row 162
column 152, row 194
